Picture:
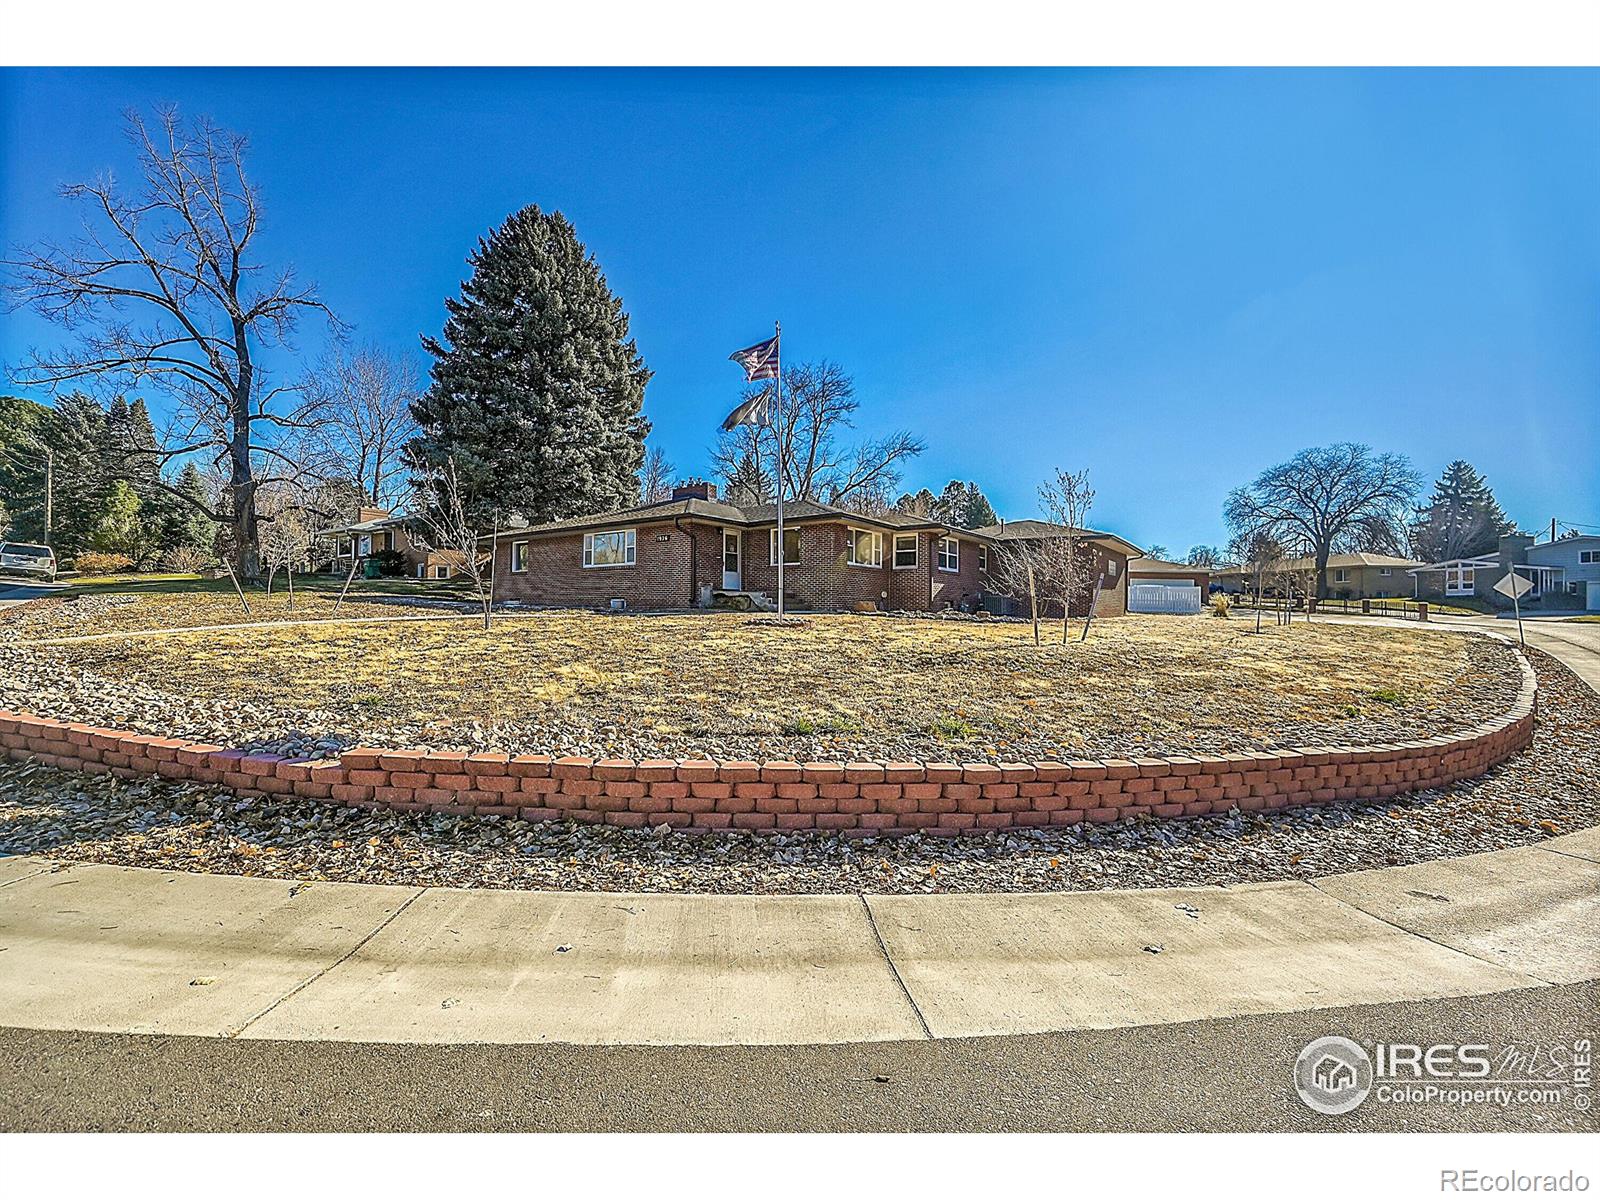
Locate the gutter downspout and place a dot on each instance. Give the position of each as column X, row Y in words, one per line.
column 694, row 561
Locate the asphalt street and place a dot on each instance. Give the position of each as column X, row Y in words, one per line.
column 1230, row 1074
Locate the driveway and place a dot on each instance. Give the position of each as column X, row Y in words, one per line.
column 16, row 591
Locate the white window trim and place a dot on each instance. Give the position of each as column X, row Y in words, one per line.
column 1588, row 558
column 516, row 570
column 916, row 552
column 772, row 546
column 630, row 548
column 1385, row 571
column 983, row 560
column 939, row 556
column 1341, row 574
column 877, row 548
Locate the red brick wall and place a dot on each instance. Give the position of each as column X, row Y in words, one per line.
column 556, row 575
column 859, row 798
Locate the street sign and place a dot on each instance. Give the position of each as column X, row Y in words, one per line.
column 1513, row 586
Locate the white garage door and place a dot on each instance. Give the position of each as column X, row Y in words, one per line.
column 1163, row 598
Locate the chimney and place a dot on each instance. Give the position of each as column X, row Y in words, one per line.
column 695, row 489
column 370, row 513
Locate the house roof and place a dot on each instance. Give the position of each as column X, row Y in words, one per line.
column 1029, row 530
column 376, row 525
column 1336, row 561
column 720, row 513
column 1160, row 566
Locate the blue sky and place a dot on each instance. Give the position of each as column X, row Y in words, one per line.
column 1174, row 278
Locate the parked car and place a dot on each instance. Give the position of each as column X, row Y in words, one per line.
column 28, row 558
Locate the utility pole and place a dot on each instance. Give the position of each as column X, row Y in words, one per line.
column 49, row 488
column 1552, row 529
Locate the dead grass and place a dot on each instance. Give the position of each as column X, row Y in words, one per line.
column 924, row 686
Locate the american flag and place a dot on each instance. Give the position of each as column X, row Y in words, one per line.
column 759, row 361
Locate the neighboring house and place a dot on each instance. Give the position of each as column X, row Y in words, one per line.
column 377, row 530
column 1108, row 563
column 688, row 551
column 1359, row 576
column 1564, row 573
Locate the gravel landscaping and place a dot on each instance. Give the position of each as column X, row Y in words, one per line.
column 724, row 686
column 1553, row 788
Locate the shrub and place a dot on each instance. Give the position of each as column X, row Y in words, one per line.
column 390, row 562
column 1220, row 604
column 100, row 562
column 186, row 560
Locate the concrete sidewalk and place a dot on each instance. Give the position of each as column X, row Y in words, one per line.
column 119, row 949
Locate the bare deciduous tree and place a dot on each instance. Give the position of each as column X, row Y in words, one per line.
column 819, row 403
column 1069, row 565
column 1018, row 571
column 164, row 291
column 363, row 397
column 287, row 530
column 1329, row 497
column 1260, row 555
column 655, row 480
column 448, row 529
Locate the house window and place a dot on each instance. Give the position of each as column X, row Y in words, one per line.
column 444, row 572
column 364, row 544
column 1459, row 581
column 866, row 548
column 1572, row 587
column 519, row 557
column 346, row 548
column 615, row 548
column 905, row 550
column 1341, row 575
column 1111, row 568
column 983, row 559
column 1588, row 557
column 1385, row 572
column 949, row 554
column 791, row 547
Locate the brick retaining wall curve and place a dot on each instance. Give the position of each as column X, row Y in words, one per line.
column 858, row 797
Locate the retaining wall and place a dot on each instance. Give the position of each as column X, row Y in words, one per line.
column 858, row 797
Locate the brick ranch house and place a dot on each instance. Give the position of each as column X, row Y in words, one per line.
column 691, row 550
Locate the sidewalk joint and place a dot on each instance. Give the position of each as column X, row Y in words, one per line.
column 339, row 962
column 888, row 960
column 1537, row 979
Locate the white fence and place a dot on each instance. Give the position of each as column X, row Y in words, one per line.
column 1163, row 598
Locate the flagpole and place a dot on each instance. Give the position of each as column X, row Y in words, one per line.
column 777, row 383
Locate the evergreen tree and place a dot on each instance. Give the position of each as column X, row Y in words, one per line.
column 963, row 506
column 918, row 504
column 183, row 524
column 1462, row 519
column 537, row 388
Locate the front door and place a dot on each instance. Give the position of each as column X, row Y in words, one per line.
column 731, row 576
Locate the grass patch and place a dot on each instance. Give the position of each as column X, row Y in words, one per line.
column 1388, row 696
column 952, row 729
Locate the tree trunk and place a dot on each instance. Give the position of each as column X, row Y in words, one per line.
column 1321, row 587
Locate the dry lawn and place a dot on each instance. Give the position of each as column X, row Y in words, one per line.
column 840, row 684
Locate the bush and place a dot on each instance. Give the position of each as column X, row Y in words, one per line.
column 390, row 562
column 1220, row 604
column 99, row 562
column 186, row 560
